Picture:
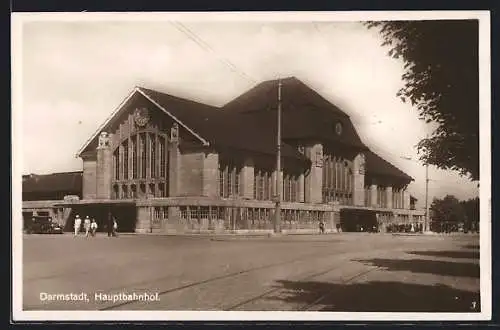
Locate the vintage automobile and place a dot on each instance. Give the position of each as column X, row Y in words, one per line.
column 43, row 225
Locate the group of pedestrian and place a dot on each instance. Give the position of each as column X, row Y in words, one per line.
column 89, row 225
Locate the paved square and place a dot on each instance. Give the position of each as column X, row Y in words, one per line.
column 334, row 272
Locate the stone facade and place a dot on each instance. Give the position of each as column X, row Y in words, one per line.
column 359, row 179
column 89, row 184
column 313, row 182
column 247, row 178
column 175, row 184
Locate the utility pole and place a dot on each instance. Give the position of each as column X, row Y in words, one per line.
column 426, row 227
column 277, row 219
column 426, row 217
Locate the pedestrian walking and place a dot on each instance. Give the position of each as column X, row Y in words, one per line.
column 321, row 227
column 77, row 225
column 115, row 227
column 109, row 224
column 93, row 227
column 86, row 226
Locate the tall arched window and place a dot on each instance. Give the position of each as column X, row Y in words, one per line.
column 229, row 178
column 146, row 154
column 337, row 178
column 262, row 187
column 290, row 187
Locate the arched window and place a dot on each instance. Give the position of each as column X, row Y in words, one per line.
column 337, row 178
column 229, row 178
column 140, row 166
column 290, row 187
column 263, row 183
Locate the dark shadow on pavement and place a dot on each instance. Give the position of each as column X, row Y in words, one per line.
column 378, row 296
column 472, row 246
column 437, row 267
column 448, row 254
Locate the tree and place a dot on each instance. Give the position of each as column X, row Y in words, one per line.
column 447, row 210
column 441, row 80
column 471, row 209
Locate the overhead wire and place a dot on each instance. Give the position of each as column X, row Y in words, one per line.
column 206, row 47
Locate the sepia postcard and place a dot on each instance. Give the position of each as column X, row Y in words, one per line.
column 251, row 166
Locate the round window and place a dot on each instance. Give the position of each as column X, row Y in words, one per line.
column 338, row 128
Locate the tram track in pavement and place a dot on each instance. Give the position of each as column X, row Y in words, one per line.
column 209, row 280
column 306, row 278
column 232, row 275
column 309, row 306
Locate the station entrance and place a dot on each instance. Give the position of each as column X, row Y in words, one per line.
column 124, row 213
column 358, row 220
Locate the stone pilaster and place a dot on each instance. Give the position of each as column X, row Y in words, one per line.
column 247, row 179
column 143, row 224
column 406, row 200
column 373, row 195
column 300, row 192
column 210, row 174
column 173, row 162
column 104, row 168
column 173, row 224
column 388, row 196
column 314, row 180
column 359, row 180
column 89, row 180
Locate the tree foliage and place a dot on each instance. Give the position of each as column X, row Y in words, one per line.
column 441, row 80
column 471, row 209
column 448, row 209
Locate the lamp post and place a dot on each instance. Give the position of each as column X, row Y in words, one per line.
column 277, row 219
column 426, row 224
column 426, row 219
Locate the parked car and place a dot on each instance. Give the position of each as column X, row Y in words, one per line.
column 43, row 225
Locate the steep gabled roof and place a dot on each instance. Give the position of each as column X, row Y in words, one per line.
column 249, row 121
column 377, row 166
column 194, row 116
column 306, row 114
column 221, row 128
column 55, row 182
column 173, row 102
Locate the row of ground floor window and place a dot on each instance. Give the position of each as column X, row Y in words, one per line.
column 187, row 218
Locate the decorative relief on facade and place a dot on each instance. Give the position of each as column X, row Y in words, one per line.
column 318, row 158
column 103, row 140
column 362, row 164
column 141, row 116
column 71, row 198
column 174, row 133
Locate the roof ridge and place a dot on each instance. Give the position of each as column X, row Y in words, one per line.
column 391, row 164
column 177, row 97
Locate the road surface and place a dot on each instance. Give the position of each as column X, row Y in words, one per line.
column 349, row 272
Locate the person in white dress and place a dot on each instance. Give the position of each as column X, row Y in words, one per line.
column 93, row 227
column 77, row 225
column 86, row 226
column 115, row 227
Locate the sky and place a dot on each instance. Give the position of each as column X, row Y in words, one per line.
column 75, row 74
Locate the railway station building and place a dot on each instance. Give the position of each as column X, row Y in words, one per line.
column 161, row 163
